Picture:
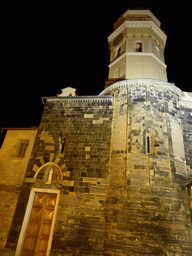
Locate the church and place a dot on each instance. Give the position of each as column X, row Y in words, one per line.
column 106, row 175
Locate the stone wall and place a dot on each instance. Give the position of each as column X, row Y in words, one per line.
column 186, row 113
column 85, row 122
column 147, row 206
column 123, row 190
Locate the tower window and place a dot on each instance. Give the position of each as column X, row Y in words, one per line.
column 138, row 47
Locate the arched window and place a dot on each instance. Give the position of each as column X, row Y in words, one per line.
column 138, row 47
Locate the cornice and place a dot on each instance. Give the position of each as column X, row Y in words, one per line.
column 186, row 104
column 148, row 54
column 143, row 82
column 78, row 99
column 138, row 24
column 186, row 101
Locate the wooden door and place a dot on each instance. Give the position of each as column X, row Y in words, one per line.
column 39, row 225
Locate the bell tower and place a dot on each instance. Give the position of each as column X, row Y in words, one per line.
column 136, row 47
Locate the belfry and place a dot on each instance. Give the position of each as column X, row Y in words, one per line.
column 106, row 175
column 137, row 47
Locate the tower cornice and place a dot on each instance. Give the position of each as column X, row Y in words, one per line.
column 138, row 24
column 138, row 54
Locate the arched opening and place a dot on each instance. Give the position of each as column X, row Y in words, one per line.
column 38, row 224
column 40, row 216
column 138, row 47
column 45, row 170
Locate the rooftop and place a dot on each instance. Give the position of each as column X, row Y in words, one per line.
column 135, row 15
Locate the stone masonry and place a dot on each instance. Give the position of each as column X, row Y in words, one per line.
column 106, row 175
column 116, row 197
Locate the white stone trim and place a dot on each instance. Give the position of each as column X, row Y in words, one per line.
column 143, row 81
column 49, row 164
column 138, row 24
column 186, row 104
column 146, row 54
column 142, row 12
column 27, row 216
column 79, row 99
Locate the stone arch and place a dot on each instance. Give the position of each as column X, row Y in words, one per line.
column 44, row 170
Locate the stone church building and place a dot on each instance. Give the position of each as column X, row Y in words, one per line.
column 106, row 175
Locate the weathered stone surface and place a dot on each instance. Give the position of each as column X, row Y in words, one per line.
column 12, row 172
column 116, row 198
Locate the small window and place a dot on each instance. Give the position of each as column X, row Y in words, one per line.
column 22, row 148
column 148, row 145
column 63, row 144
column 151, row 146
column 138, row 47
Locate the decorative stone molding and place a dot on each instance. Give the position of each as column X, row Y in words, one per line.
column 145, row 82
column 78, row 99
column 148, row 54
column 138, row 24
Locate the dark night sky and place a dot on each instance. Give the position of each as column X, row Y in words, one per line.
column 50, row 47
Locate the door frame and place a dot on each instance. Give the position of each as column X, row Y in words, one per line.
column 28, row 214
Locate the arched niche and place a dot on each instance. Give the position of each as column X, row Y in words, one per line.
column 49, row 173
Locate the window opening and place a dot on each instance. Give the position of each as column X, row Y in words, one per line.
column 148, row 145
column 138, row 47
column 63, row 145
column 22, row 148
column 151, row 145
